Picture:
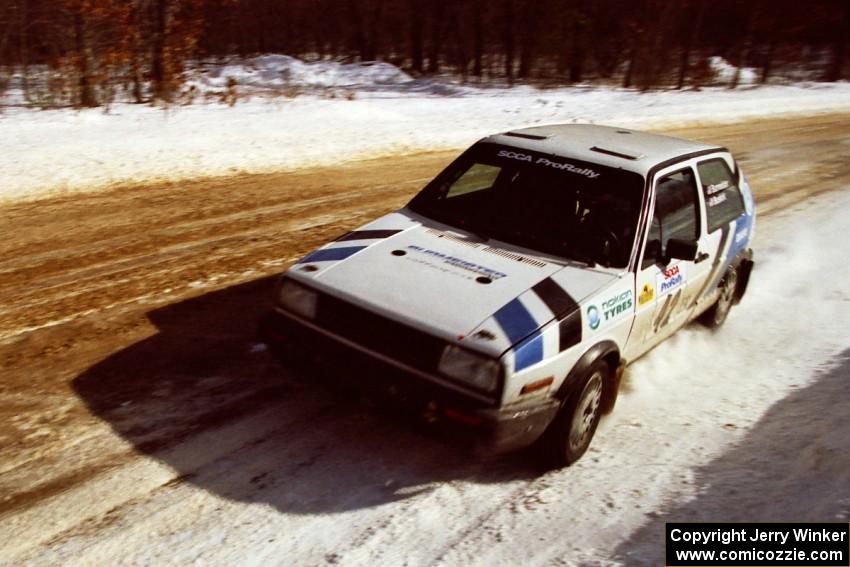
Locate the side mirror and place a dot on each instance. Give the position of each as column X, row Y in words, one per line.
column 680, row 249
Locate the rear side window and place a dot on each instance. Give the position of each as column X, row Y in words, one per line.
column 723, row 201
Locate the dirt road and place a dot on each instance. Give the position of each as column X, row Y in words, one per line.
column 139, row 418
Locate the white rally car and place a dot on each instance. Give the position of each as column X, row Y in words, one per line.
column 507, row 297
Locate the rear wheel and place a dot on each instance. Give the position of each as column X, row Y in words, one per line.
column 717, row 313
column 569, row 436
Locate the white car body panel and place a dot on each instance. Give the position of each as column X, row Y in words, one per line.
column 538, row 314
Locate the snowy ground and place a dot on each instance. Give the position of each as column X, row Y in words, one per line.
column 54, row 151
column 747, row 423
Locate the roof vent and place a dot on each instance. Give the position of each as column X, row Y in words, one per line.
column 526, row 136
column 619, row 152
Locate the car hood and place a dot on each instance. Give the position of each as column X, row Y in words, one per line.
column 437, row 278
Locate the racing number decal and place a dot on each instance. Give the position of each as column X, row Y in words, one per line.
column 715, row 268
column 666, row 310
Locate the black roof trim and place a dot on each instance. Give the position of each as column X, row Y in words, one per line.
column 684, row 157
column 526, row 136
column 614, row 153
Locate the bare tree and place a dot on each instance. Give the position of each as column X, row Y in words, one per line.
column 841, row 16
column 508, row 38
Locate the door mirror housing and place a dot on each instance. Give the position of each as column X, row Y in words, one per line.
column 681, row 249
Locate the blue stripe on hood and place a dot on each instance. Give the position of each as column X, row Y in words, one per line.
column 328, row 254
column 516, row 321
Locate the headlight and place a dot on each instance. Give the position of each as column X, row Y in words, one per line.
column 298, row 299
column 474, row 369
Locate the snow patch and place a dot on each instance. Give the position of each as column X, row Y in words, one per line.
column 267, row 72
column 52, row 152
column 724, row 72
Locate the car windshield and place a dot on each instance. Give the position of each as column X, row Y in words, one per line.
column 570, row 208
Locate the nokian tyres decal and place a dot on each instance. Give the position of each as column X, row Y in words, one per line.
column 593, row 317
column 529, row 329
column 613, row 307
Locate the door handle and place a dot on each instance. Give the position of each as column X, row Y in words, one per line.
column 700, row 257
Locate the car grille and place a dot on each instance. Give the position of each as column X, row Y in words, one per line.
column 395, row 340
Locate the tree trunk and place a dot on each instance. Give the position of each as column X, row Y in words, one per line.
column 416, row 48
column 24, row 50
column 627, row 78
column 357, row 25
column 768, row 62
column 528, row 46
column 657, row 50
column 576, row 51
column 6, row 35
column 839, row 54
column 509, row 40
column 373, row 41
column 81, row 45
column 691, row 37
column 743, row 48
column 136, row 52
column 839, row 47
column 478, row 37
column 159, row 79
column 526, row 56
column 436, row 46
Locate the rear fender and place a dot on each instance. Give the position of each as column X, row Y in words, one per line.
column 745, row 268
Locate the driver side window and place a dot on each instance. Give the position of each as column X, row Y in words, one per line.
column 676, row 214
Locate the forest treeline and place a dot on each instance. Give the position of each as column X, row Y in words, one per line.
column 84, row 52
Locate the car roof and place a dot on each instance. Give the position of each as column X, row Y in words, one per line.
column 622, row 148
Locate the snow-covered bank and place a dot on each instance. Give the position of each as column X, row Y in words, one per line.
column 48, row 152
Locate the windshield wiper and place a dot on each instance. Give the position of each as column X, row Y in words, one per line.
column 469, row 227
column 591, row 263
column 476, row 230
column 535, row 242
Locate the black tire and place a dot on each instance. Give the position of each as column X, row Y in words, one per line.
column 717, row 313
column 570, row 434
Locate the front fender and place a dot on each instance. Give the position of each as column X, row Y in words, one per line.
column 606, row 350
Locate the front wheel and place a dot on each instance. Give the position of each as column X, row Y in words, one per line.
column 569, row 436
column 717, row 313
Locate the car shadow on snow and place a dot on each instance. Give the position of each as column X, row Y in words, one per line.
column 793, row 465
column 203, row 396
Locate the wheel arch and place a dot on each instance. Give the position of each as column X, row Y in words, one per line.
column 744, row 265
column 606, row 350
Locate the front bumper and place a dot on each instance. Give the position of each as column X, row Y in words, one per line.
column 461, row 415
